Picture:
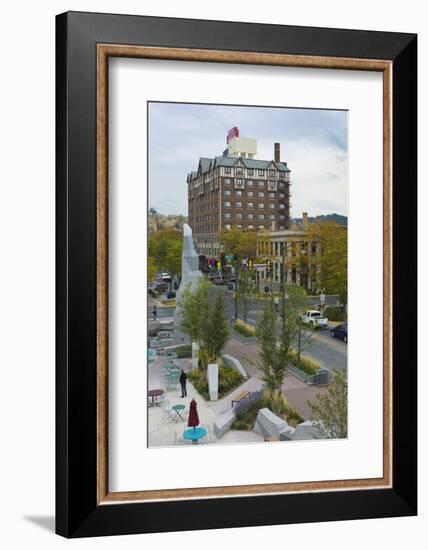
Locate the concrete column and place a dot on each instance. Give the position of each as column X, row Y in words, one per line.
column 195, row 355
column 212, row 376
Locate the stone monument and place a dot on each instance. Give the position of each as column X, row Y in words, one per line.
column 190, row 275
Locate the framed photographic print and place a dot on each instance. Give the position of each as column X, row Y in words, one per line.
column 232, row 200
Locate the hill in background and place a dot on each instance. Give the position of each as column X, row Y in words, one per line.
column 337, row 218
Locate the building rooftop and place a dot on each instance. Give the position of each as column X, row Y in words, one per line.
column 207, row 164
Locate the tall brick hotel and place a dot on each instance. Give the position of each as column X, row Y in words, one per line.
column 236, row 189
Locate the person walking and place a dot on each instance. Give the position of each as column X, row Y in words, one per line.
column 183, row 380
column 154, row 312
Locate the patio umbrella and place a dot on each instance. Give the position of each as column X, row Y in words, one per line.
column 193, row 415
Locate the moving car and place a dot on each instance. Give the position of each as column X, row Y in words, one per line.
column 314, row 319
column 341, row 331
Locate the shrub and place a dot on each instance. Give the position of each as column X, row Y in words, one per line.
column 228, row 380
column 306, row 365
column 334, row 313
column 246, row 417
column 184, row 352
column 242, row 328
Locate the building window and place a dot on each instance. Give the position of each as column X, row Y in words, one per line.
column 271, row 185
column 281, row 227
column 281, row 185
column 261, row 173
column 239, row 205
column 271, row 216
column 271, row 172
column 250, row 171
column 281, row 206
column 271, row 195
column 250, row 194
column 251, row 227
column 239, row 170
column 227, row 204
column 227, row 192
column 250, row 183
column 239, row 193
column 261, row 183
column 239, row 216
column 239, row 183
column 261, row 194
column 272, row 205
column 227, row 181
column 227, row 171
column 261, row 227
column 282, row 195
column 281, row 217
column 261, row 216
column 250, row 216
column 227, row 226
column 227, row 215
column 261, row 205
column 250, row 205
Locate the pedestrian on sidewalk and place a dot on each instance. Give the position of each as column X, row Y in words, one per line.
column 183, row 380
column 154, row 312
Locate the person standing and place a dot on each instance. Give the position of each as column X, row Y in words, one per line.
column 183, row 381
column 154, row 312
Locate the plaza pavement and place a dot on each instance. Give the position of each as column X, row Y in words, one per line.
column 164, row 430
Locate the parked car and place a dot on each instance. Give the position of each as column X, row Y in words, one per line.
column 314, row 318
column 341, row 331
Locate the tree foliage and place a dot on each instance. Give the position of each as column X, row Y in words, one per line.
column 330, row 409
column 278, row 338
column 237, row 242
column 270, row 361
column 165, row 247
column 332, row 258
column 204, row 319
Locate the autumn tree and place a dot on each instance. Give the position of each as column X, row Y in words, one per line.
column 165, row 247
column 330, row 409
column 239, row 243
column 332, row 257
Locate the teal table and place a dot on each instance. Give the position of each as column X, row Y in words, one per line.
column 195, row 434
column 178, row 411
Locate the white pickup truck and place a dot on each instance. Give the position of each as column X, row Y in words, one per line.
column 314, row 318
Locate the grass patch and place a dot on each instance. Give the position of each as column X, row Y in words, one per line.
column 245, row 330
column 228, row 380
column 306, row 365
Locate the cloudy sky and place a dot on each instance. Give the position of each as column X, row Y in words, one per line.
column 313, row 143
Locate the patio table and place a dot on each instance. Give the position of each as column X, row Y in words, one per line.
column 153, row 394
column 194, row 434
column 178, row 411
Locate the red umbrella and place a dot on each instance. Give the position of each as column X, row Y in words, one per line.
column 193, row 415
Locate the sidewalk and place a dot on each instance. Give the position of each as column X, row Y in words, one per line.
column 295, row 391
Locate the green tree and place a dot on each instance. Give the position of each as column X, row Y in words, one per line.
column 194, row 307
column 293, row 331
column 271, row 363
column 204, row 320
column 217, row 332
column 330, row 409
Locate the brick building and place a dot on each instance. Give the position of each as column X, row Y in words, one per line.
column 236, row 189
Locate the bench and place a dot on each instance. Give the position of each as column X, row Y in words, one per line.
column 240, row 397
